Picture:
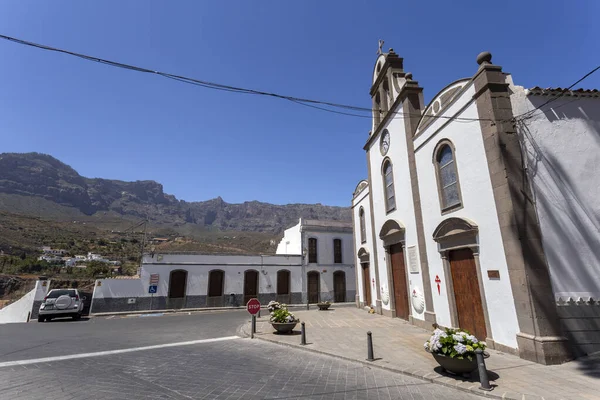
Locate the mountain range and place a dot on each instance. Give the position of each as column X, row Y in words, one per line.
column 41, row 185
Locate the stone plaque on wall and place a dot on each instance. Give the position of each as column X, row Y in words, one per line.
column 413, row 262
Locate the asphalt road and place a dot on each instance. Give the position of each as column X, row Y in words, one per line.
column 233, row 368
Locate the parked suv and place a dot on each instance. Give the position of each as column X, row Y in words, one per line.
column 61, row 303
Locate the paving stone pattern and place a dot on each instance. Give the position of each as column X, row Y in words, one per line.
column 399, row 345
column 239, row 369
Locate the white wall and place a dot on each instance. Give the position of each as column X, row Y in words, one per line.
column 563, row 163
column 362, row 200
column 20, row 309
column 114, row 288
column 404, row 212
column 291, row 242
column 478, row 206
column 198, row 267
column 325, row 254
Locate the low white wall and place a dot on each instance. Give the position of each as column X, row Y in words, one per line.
column 20, row 309
column 113, row 288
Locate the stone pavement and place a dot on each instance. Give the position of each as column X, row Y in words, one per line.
column 240, row 369
column 398, row 346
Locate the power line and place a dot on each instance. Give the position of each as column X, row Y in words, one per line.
column 228, row 88
column 529, row 114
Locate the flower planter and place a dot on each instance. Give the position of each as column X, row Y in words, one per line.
column 457, row 366
column 284, row 327
column 323, row 306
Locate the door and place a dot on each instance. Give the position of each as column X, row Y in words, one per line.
column 283, row 286
column 215, row 289
column 339, row 286
column 177, row 284
column 366, row 284
column 466, row 292
column 250, row 285
column 313, row 287
column 399, row 280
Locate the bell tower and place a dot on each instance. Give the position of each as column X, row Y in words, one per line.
column 388, row 79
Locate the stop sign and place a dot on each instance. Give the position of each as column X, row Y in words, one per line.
column 253, row 306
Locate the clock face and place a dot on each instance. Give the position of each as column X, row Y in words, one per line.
column 385, row 142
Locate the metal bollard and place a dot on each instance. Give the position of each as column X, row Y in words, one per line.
column 370, row 347
column 303, row 337
column 483, row 376
column 258, row 312
column 253, row 327
column 307, row 305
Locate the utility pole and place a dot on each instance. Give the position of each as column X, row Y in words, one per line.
column 143, row 244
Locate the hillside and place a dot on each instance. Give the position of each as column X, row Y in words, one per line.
column 45, row 202
column 44, row 177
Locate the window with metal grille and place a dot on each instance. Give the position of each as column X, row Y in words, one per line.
column 337, row 251
column 312, row 250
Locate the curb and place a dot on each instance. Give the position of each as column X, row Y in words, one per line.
column 184, row 310
column 244, row 331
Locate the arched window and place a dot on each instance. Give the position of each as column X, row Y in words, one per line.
column 377, row 109
column 388, row 183
column 363, row 229
column 337, row 251
column 312, row 250
column 447, row 176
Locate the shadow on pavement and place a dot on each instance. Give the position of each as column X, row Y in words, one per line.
column 589, row 365
column 472, row 377
column 69, row 319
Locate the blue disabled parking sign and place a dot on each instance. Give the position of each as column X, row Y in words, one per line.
column 152, row 288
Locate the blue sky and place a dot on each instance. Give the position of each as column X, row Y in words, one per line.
column 201, row 143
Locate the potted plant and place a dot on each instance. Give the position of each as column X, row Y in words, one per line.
column 323, row 305
column 454, row 350
column 281, row 319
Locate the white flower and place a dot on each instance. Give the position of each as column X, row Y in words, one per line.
column 483, row 344
column 434, row 344
column 472, row 338
column 460, row 348
column 458, row 338
column 426, row 345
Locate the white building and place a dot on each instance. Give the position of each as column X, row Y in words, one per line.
column 317, row 266
column 480, row 210
column 328, row 266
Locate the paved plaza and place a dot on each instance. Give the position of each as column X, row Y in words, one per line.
column 60, row 360
column 341, row 332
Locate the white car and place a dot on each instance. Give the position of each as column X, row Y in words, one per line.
column 61, row 303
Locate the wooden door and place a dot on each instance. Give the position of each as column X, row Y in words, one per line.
column 399, row 280
column 215, row 289
column 283, row 286
column 339, row 286
column 313, row 287
column 177, row 284
column 250, row 285
column 366, row 284
column 467, row 293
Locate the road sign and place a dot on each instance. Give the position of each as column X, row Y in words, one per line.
column 154, row 279
column 253, row 306
column 152, row 289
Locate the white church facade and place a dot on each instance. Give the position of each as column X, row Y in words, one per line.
column 314, row 262
column 480, row 210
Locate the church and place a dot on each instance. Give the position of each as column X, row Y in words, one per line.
column 480, row 210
